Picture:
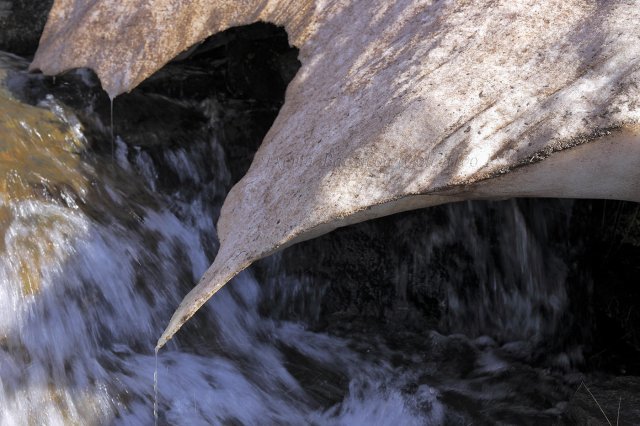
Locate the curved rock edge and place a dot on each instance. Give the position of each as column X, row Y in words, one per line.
column 507, row 87
column 606, row 149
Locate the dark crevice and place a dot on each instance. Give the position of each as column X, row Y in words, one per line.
column 245, row 71
column 21, row 23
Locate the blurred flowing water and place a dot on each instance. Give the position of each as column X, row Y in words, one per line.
column 98, row 251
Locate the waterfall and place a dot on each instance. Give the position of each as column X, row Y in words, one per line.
column 97, row 251
column 90, row 274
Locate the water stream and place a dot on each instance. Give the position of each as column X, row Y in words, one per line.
column 96, row 255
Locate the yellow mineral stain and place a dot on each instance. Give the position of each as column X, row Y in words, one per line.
column 40, row 155
column 29, row 279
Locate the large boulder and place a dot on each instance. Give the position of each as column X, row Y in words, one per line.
column 398, row 105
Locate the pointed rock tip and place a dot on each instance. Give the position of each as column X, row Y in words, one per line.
column 213, row 280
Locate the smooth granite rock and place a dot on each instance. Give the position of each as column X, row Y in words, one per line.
column 398, row 105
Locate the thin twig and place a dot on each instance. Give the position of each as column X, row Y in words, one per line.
column 596, row 401
column 618, row 418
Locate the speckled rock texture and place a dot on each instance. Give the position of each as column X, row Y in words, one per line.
column 398, row 105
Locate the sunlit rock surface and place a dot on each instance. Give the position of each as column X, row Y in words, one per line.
column 398, row 105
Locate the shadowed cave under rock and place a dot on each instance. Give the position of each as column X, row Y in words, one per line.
column 465, row 269
column 380, row 276
column 376, row 274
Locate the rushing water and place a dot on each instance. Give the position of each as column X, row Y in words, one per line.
column 97, row 251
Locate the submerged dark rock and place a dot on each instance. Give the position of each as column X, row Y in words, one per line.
column 614, row 400
column 21, row 24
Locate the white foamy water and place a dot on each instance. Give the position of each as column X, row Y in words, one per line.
column 91, row 273
column 77, row 346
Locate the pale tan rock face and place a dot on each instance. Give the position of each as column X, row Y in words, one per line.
column 398, row 105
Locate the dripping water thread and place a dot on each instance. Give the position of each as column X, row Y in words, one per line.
column 113, row 155
column 155, row 391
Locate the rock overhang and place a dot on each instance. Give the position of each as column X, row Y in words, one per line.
column 397, row 105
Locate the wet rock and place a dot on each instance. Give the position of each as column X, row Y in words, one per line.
column 142, row 116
